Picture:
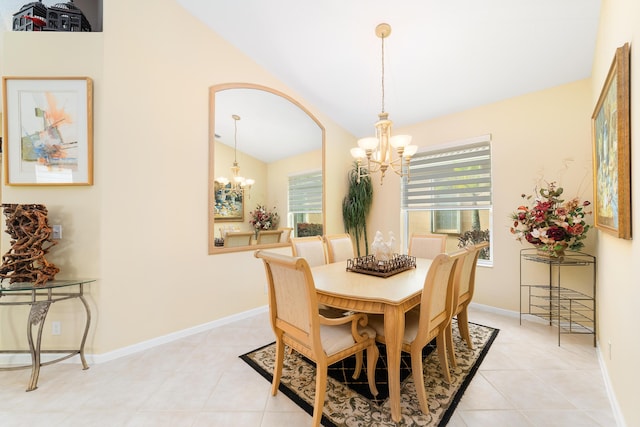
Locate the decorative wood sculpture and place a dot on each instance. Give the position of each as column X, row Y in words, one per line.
column 30, row 241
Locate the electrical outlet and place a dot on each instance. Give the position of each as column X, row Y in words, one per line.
column 56, row 328
column 57, row 232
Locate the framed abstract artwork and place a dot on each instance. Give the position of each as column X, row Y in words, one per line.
column 48, row 130
column 611, row 150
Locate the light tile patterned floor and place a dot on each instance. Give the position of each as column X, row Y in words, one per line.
column 525, row 380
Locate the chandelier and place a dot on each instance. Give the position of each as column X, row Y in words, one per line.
column 238, row 183
column 378, row 150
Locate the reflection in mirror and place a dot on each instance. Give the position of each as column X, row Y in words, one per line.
column 260, row 133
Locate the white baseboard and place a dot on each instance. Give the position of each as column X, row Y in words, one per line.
column 496, row 310
column 25, row 358
column 615, row 408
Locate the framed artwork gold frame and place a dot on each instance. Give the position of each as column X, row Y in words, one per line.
column 229, row 203
column 48, row 130
column 611, row 150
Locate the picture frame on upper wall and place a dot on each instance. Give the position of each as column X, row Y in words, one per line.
column 610, row 126
column 48, row 130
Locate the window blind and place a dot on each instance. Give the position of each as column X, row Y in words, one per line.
column 305, row 193
column 453, row 178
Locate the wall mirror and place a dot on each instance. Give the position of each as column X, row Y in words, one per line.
column 261, row 142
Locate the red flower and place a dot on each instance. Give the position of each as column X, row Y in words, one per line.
column 576, row 229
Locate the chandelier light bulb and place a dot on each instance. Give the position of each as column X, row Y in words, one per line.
column 368, row 144
column 410, row 150
column 400, row 141
column 358, row 153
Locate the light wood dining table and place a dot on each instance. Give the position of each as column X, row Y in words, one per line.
column 391, row 296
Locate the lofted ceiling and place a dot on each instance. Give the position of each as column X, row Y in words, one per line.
column 442, row 57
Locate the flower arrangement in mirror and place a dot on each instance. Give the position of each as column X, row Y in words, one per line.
column 551, row 223
column 263, row 219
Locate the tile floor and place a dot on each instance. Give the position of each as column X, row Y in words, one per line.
column 525, row 380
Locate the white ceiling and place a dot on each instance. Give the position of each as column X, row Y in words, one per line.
column 260, row 130
column 441, row 57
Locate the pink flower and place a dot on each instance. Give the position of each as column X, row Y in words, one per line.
column 576, row 229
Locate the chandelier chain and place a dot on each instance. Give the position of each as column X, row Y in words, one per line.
column 235, row 139
column 382, row 38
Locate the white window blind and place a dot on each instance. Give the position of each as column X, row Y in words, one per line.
column 452, row 178
column 305, row 193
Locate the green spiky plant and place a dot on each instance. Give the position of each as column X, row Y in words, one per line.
column 356, row 206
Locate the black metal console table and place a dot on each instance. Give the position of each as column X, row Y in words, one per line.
column 40, row 299
column 572, row 311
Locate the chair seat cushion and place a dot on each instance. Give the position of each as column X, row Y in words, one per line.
column 411, row 321
column 338, row 338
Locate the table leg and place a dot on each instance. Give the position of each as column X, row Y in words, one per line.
column 393, row 334
column 86, row 331
column 37, row 315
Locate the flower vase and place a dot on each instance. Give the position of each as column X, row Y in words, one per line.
column 555, row 250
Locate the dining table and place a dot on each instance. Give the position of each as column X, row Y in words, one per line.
column 391, row 296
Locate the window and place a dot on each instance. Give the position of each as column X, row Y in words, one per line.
column 305, row 204
column 445, row 222
column 449, row 192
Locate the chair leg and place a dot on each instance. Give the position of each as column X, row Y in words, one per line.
column 417, row 371
column 321, row 390
column 463, row 326
column 372, row 360
column 441, row 346
column 277, row 369
column 358, row 368
column 450, row 347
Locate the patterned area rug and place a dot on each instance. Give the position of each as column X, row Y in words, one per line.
column 349, row 403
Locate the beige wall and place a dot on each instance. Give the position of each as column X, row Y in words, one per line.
column 141, row 229
column 618, row 289
column 536, row 137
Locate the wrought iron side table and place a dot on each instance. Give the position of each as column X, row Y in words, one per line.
column 40, row 299
column 572, row 311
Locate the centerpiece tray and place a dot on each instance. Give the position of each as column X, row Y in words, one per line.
column 375, row 267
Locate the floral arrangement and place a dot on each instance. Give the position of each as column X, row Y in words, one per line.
column 262, row 219
column 551, row 223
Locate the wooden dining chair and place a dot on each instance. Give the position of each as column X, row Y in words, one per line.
column 310, row 248
column 429, row 322
column 297, row 323
column 268, row 236
column 427, row 245
column 464, row 295
column 286, row 234
column 237, row 238
column 339, row 247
